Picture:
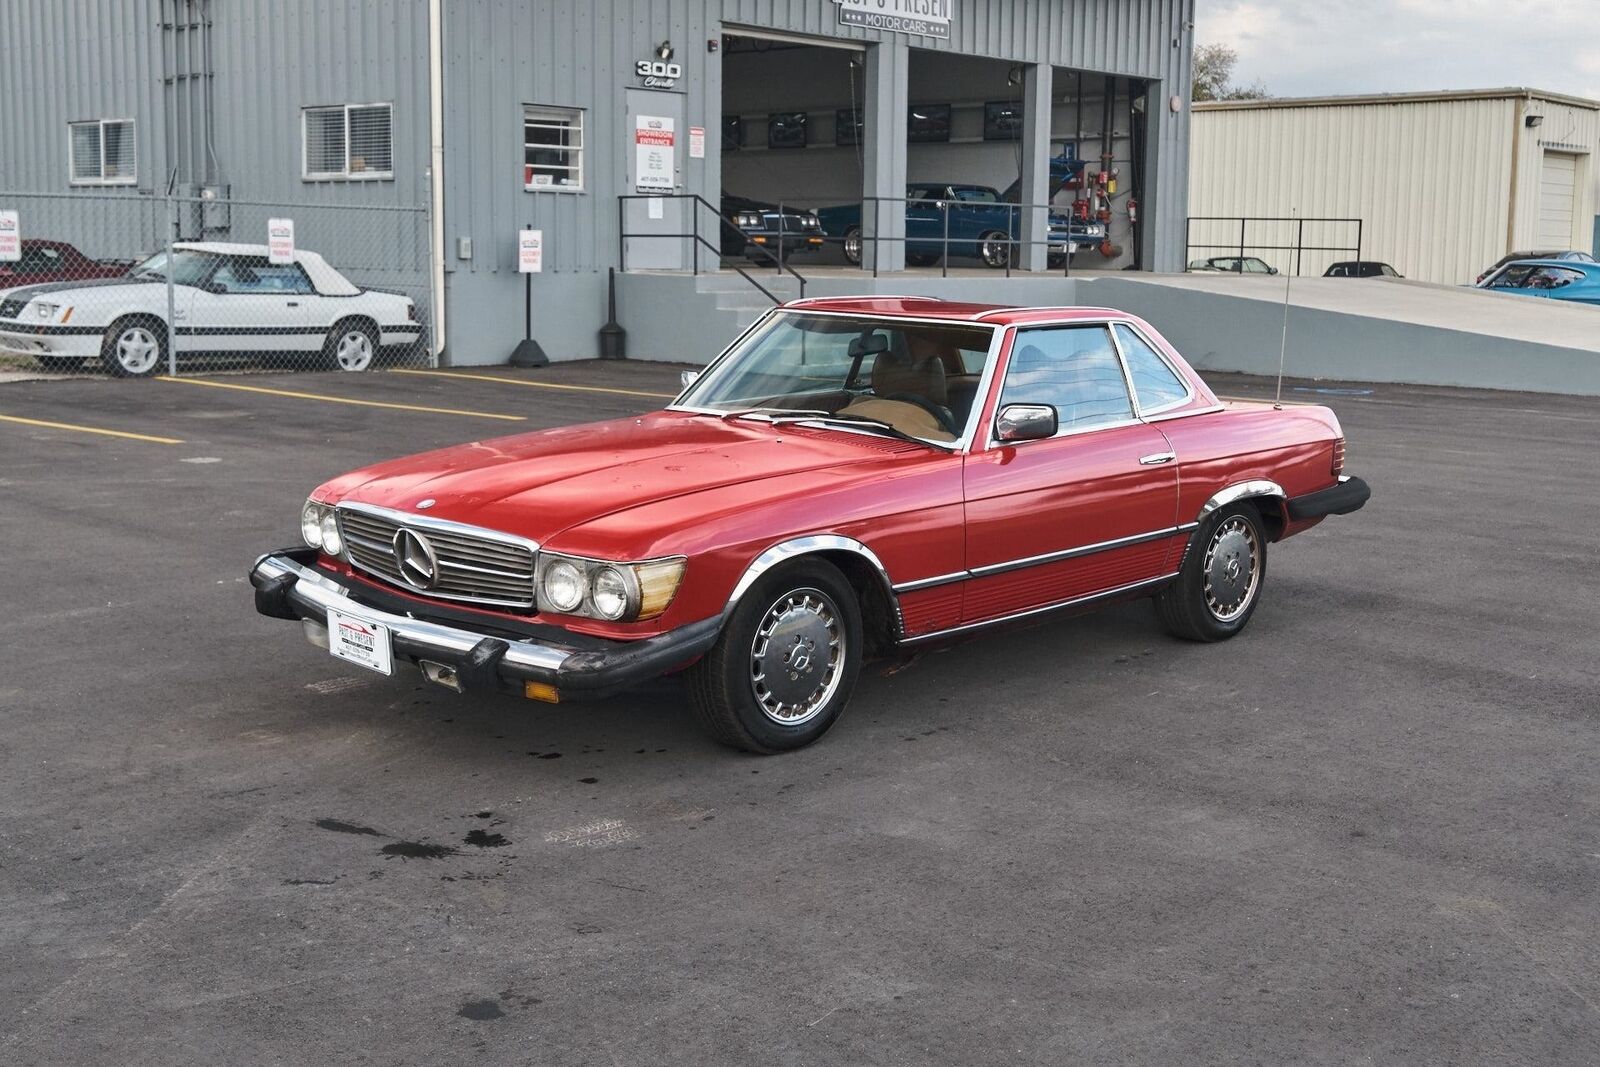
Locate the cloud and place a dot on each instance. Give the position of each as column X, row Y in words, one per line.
column 1313, row 48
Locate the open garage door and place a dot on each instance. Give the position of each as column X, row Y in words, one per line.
column 1558, row 191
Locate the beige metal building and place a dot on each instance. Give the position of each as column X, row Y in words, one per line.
column 1444, row 183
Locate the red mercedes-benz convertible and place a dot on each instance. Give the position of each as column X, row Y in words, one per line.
column 851, row 477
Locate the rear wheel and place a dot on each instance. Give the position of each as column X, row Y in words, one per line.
column 134, row 347
column 995, row 249
column 352, row 345
column 786, row 663
column 1220, row 582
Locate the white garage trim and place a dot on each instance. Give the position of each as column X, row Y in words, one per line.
column 733, row 29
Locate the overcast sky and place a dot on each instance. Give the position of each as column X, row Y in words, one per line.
column 1316, row 48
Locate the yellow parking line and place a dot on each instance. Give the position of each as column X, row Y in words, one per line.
column 90, row 429
column 344, row 399
column 537, row 385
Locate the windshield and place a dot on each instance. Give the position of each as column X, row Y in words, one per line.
column 188, row 267
column 917, row 379
column 975, row 194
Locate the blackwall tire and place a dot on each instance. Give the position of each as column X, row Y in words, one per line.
column 1220, row 582
column 134, row 346
column 787, row 661
column 994, row 248
column 352, row 345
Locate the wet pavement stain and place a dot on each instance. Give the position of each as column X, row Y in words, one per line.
column 481, row 1010
column 311, row 881
column 588, row 781
column 416, row 850
column 340, row 827
column 484, row 839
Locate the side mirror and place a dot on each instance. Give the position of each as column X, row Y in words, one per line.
column 688, row 378
column 1025, row 422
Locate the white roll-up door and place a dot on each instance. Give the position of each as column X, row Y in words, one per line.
column 1558, row 190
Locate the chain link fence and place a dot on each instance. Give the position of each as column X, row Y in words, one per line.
column 134, row 285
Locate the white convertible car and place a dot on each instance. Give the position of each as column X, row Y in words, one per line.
column 226, row 299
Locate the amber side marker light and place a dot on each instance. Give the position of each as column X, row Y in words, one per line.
column 541, row 691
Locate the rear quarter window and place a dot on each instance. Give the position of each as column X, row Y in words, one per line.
column 1155, row 383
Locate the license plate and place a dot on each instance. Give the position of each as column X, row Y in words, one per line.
column 361, row 642
column 1072, row 247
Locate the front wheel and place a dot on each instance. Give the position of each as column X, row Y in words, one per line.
column 351, row 346
column 134, row 347
column 786, row 663
column 852, row 246
column 1219, row 585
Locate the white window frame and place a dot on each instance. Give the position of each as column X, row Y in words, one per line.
column 101, row 124
column 345, row 174
column 574, row 118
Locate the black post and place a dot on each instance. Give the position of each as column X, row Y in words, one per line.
column 1299, row 244
column 944, row 248
column 1241, row 246
column 613, row 338
column 528, row 352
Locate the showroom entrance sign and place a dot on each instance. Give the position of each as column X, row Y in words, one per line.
column 10, row 237
column 654, row 142
column 925, row 18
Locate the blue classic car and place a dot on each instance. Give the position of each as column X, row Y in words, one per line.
column 982, row 222
column 1554, row 279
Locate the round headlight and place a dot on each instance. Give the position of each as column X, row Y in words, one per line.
column 563, row 586
column 609, row 593
column 311, row 524
column 332, row 543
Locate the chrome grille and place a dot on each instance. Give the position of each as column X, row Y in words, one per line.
column 478, row 568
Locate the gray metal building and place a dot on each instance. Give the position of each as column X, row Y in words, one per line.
column 531, row 114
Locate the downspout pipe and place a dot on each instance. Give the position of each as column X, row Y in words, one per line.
column 436, row 172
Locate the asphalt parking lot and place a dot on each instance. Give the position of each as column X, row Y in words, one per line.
column 1366, row 831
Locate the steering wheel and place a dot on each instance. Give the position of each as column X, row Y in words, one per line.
column 946, row 420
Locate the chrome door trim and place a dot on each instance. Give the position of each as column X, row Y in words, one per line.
column 991, row 569
column 1107, row 594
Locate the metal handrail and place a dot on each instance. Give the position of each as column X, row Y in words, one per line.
column 1013, row 212
column 698, row 241
column 1298, row 248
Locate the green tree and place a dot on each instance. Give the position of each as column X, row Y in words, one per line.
column 1213, row 75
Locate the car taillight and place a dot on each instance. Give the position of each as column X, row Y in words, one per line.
column 1338, row 457
column 411, row 313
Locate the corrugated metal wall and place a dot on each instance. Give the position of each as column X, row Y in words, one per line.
column 1430, row 180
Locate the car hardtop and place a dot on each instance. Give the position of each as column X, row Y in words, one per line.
column 1590, row 271
column 324, row 278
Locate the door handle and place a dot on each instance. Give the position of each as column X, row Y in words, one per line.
column 294, row 303
column 1158, row 457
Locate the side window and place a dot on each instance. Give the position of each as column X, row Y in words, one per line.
column 1552, row 278
column 40, row 259
column 258, row 276
column 1072, row 368
column 1154, row 383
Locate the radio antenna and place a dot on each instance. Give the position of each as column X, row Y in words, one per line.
column 1283, row 342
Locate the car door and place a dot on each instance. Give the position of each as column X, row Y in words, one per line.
column 251, row 305
column 1088, row 511
column 925, row 207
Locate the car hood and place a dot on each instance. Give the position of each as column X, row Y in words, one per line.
column 538, row 484
column 61, row 289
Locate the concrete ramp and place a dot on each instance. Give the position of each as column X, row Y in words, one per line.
column 1369, row 330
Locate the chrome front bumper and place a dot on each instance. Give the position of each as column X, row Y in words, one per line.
column 290, row 585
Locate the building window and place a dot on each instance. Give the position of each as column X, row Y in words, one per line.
column 101, row 152
column 552, row 149
column 349, row 142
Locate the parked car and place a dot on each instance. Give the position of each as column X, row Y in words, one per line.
column 1361, row 268
column 227, row 298
column 853, row 477
column 56, row 261
column 980, row 225
column 1233, row 265
column 1570, row 255
column 1555, row 279
column 756, row 229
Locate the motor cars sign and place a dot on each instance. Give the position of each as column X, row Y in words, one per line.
column 530, row 251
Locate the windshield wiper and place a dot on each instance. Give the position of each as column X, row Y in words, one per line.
column 863, row 421
column 772, row 413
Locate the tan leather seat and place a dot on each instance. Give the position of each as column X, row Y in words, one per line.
column 906, row 373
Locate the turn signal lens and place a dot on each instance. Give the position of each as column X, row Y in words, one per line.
column 311, row 523
column 1338, row 457
column 658, row 583
column 541, row 691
